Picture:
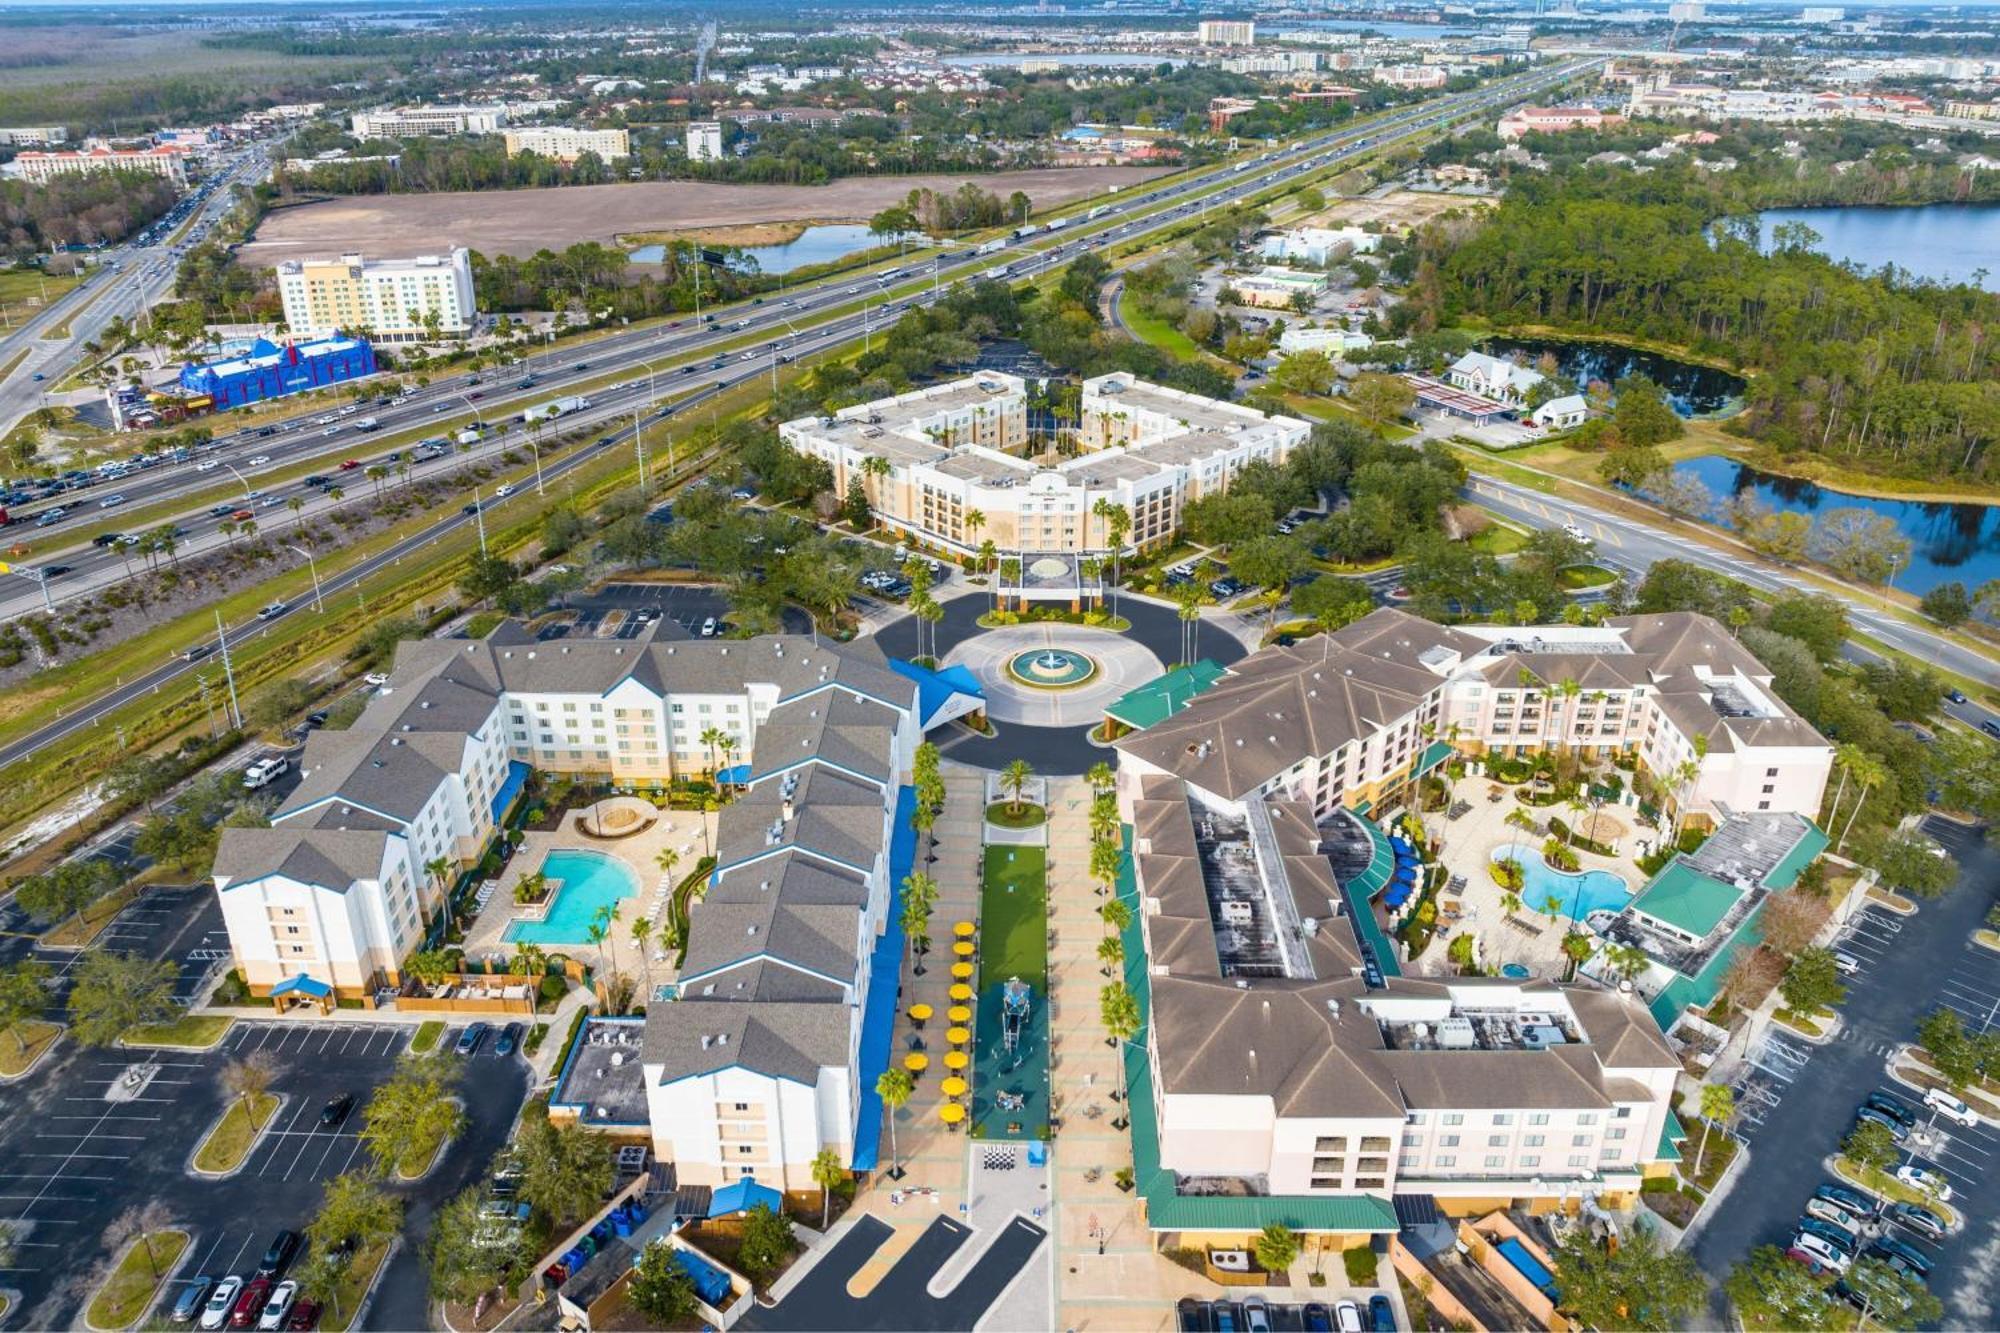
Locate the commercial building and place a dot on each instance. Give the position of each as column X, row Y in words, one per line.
column 950, row 464
column 29, row 136
column 1553, row 120
column 267, row 370
column 1277, row 288
column 1227, row 32
column 1493, row 377
column 168, row 160
column 1411, row 76
column 566, row 144
column 391, row 300
column 704, row 141
column 1973, row 110
column 1222, row 110
column 428, row 121
column 1561, row 413
column 1333, row 342
column 1319, row 245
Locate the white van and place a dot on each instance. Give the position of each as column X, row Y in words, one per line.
column 265, row 771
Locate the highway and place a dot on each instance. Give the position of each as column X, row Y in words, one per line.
column 798, row 324
column 654, row 349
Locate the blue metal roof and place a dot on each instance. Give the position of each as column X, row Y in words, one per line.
column 301, row 985
column 740, row 1196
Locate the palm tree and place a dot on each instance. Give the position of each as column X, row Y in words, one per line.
column 827, row 1172
column 712, row 738
column 975, row 519
column 1115, row 915
column 1188, row 607
column 1846, row 757
column 1869, row 773
column 1567, row 690
column 439, row 869
column 1105, row 861
column 298, row 507
column 1117, row 523
column 1110, row 952
column 642, row 932
column 666, row 859
column 1101, row 777
column 1118, row 1009
column 1013, row 778
column 726, row 743
column 1718, row 1103
column 894, row 1087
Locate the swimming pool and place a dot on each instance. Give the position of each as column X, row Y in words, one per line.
column 591, row 882
column 1599, row 890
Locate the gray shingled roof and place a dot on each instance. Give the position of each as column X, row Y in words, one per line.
column 794, row 1041
column 327, row 858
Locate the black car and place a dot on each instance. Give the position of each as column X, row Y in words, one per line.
column 1892, row 1251
column 104, row 539
column 56, row 571
column 468, row 1040
column 470, row 509
column 1895, row 1108
column 1876, row 1115
column 334, row 1113
column 510, row 1037
column 278, row 1257
column 193, row 1295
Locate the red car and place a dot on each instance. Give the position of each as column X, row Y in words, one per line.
column 250, row 1302
column 242, row 514
column 305, row 1315
column 350, row 464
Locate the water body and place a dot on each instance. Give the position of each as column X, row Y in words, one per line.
column 1693, row 390
column 1947, row 541
column 815, row 245
column 1943, row 242
column 1405, row 31
column 1014, row 60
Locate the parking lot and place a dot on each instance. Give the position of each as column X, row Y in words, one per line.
column 1797, row 1100
column 682, row 606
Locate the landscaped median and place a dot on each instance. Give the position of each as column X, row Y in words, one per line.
column 129, row 1291
column 26, row 1043
column 1885, row 1186
column 231, row 1138
column 189, row 1032
column 357, row 1279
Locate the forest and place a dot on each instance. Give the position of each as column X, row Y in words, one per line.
column 1873, row 371
column 98, row 209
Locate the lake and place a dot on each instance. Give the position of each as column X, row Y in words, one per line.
column 1400, row 31
column 1948, row 541
column 815, row 245
column 1005, row 60
column 1694, row 391
column 1944, row 242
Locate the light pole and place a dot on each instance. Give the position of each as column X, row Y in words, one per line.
column 240, row 477
column 479, row 520
column 312, row 566
column 228, row 672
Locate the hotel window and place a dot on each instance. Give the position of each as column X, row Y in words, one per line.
column 1615, row 1133
column 1531, row 1161
column 745, row 1149
column 1533, row 1140
column 1453, row 1118
column 1326, row 1182
column 1503, row 1118
column 1496, row 1140
column 1581, row 1159
column 1496, row 1160
column 1336, row 1144
column 1447, row 1140
column 1445, row 1161
column 1369, row 1183
column 1579, row 1140
column 1539, row 1118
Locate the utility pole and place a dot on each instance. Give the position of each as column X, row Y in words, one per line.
column 639, row 446
column 228, row 671
column 479, row 519
column 313, row 567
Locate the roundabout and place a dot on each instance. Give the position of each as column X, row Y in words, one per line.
column 1052, row 668
column 1054, row 675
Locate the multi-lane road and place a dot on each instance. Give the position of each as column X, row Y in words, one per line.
column 680, row 359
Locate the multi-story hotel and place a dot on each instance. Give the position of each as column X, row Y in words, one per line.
column 1226, row 32
column 410, row 121
column 948, row 464
column 704, row 141
column 565, row 144
column 1351, row 718
column 168, row 160
column 390, row 300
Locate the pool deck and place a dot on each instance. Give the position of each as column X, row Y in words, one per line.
column 1471, row 842
column 678, row 829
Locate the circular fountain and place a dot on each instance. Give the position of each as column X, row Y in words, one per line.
column 1052, row 668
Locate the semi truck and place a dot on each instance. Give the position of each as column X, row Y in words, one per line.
column 1029, row 230
column 996, row 272
column 997, row 243
column 560, row 407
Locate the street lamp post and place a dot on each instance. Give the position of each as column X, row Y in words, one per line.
column 240, row 477
column 312, row 566
column 479, row 520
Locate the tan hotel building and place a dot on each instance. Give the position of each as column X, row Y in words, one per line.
column 952, row 472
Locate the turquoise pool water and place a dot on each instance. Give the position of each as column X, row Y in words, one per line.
column 591, row 882
column 1600, row 889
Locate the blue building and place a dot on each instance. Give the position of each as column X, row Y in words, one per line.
column 270, row 371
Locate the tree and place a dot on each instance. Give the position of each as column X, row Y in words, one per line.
column 1642, row 414
column 767, row 1242
column 1718, row 1104
column 1812, row 982
column 466, row 1256
column 1912, row 863
column 487, row 578
column 829, row 1175
column 1110, row 953
column 1631, row 467
column 354, row 1214
column 1639, row 1287
column 24, row 998
column 1305, row 372
column 415, row 1108
column 1381, row 399
column 1278, row 1247
column 1814, row 619
column 660, row 1285
column 1860, row 544
column 1952, row 1053
column 116, row 992
column 1890, row 1297
column 1771, row 1289
column 1014, row 779
column 566, row 1169
column 1949, row 604
column 66, row 890
column 894, row 1086
column 1870, row 1146
column 249, row 1078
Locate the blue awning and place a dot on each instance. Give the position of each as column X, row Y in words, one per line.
column 510, row 789
column 301, row 985
column 885, row 974
column 740, row 1196
column 733, row 776
column 936, row 689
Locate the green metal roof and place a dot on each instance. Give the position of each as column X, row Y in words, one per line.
column 1686, row 899
column 1700, row 990
column 1434, row 754
column 1672, row 1135
column 1786, row 872
column 1159, row 699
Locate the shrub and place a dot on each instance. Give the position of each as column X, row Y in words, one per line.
column 553, row 989
column 1509, row 875
column 232, row 990
column 1360, row 1264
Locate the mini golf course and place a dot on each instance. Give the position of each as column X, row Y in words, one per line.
column 1010, row 1088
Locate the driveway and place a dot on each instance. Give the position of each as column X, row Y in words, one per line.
column 903, row 1298
column 1799, row 1100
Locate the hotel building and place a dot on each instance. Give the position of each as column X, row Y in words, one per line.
column 564, row 144
column 390, row 300
column 168, row 160
column 436, row 121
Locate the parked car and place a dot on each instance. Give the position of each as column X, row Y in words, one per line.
column 1826, row 1210
column 1809, row 1249
column 468, row 1040
column 377, row 678
column 305, row 1315
column 1894, row 1107
column 220, row 1302
column 1256, row 1315
column 1917, row 1219
column 1890, row 1249
column 1853, row 1200
column 250, row 1302
column 708, row 628
column 278, row 1306
column 510, row 1037
column 1846, row 963
column 278, row 1255
column 193, row 1296
column 335, row 1112
column 1833, row 1234
column 1918, row 1175
column 1189, row 1316
column 265, row 771
column 1381, row 1313
column 1348, row 1316
column 1875, row 1115
column 1224, row 1317
column 1950, row 1107
column 1316, row 1316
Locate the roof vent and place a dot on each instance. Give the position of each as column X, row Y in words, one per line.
column 425, row 704
column 1241, row 984
column 750, row 929
column 531, row 655
column 722, row 1039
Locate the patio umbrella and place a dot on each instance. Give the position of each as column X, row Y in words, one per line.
column 919, row 1014
column 954, row 1086
column 964, row 948
column 964, row 930
column 959, row 1015
column 956, row 1061
column 961, row 994
column 951, row 1113
column 961, row 971
column 957, row 1036
column 916, row 1062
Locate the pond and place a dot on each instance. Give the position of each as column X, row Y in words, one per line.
column 820, row 244
column 1944, row 242
column 1693, row 390
column 1948, row 541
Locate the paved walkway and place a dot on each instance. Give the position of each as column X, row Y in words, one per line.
column 1121, row 663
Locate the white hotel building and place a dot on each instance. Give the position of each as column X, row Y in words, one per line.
column 387, row 300
column 956, row 450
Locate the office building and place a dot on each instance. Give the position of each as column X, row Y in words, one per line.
column 168, row 160
column 704, row 141
column 1319, row 245
column 1227, row 32
column 566, row 144
column 427, row 121
column 962, row 468
column 32, row 136
column 391, row 300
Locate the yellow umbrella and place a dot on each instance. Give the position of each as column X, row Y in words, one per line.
column 964, row 948
column 916, row 1062
column 953, row 1086
column 951, row 1113
column 961, row 994
column 959, row 1015
column 961, row 970
column 919, row 1013
column 957, row 1036
column 964, row 930
column 953, row 1060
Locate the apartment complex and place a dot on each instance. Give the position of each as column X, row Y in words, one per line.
column 1227, row 32
column 1553, row 120
column 168, row 160
column 704, row 141
column 1343, row 720
column 337, row 889
column 1285, row 1068
column 391, row 300
column 409, row 122
column 566, row 144
column 947, row 464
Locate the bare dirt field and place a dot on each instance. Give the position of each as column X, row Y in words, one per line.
column 1400, row 209
column 520, row 222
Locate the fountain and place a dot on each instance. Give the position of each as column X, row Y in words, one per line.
column 1052, row 668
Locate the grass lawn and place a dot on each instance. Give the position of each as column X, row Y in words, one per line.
column 1013, row 930
column 1715, row 1159
column 229, row 1142
column 1578, row 577
column 1147, row 328
column 427, row 1036
column 76, row 931
column 1886, row 1185
column 1499, row 539
column 1007, row 815
column 419, row 1158
column 24, row 1043
column 202, row 1030
column 130, row 1288
column 353, row 1288
column 22, row 292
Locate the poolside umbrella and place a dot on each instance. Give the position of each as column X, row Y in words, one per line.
column 951, row 1113
column 964, row 930
column 959, row 1015
column 964, row 948
column 957, row 1036
column 956, row 1061
column 954, row 1086
column 916, row 1062
column 961, row 971
column 961, row 993
column 919, row 1014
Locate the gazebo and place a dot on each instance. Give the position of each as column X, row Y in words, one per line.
column 302, row 989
